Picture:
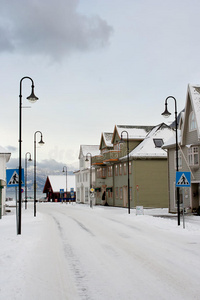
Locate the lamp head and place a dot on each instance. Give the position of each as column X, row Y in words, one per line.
column 29, row 159
column 86, row 159
column 166, row 113
column 41, row 142
column 32, row 98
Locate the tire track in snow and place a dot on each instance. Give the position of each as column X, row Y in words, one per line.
column 74, row 262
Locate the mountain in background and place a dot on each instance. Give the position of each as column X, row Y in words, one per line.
column 43, row 169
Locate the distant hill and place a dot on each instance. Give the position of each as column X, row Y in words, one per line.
column 43, row 169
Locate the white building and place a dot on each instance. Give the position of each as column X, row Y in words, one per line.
column 86, row 173
column 4, row 158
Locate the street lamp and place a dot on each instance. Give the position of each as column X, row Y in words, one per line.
column 90, row 173
column 26, row 176
column 129, row 204
column 32, row 98
column 40, row 143
column 166, row 114
column 65, row 170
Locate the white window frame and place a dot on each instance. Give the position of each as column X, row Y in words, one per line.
column 193, row 156
column 86, row 194
column 125, row 172
column 192, row 122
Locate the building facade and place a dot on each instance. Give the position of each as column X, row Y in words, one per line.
column 85, row 175
column 188, row 154
column 139, row 158
column 4, row 158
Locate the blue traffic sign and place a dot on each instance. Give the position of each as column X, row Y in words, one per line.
column 12, row 177
column 183, row 179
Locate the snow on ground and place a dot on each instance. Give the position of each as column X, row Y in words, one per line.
column 70, row 251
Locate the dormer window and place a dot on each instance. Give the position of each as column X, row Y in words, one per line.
column 158, row 143
column 192, row 122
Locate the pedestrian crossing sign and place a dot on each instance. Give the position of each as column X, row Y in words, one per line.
column 183, row 179
column 12, row 177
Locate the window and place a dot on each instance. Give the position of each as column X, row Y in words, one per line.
column 116, row 170
column 193, row 156
column 124, row 168
column 78, row 195
column 158, row 142
column 103, row 172
column 130, row 170
column 130, row 191
column 86, row 194
column 77, row 176
column 192, row 122
column 120, row 169
column 179, row 159
column 117, row 146
column 110, row 171
column 110, row 193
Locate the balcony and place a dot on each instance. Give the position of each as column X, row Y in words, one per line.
column 97, row 160
column 112, row 155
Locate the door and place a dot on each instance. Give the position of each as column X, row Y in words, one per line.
column 125, row 196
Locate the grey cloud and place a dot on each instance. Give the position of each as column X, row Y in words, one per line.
column 47, row 166
column 11, row 148
column 52, row 28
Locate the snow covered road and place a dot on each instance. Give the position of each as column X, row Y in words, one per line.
column 74, row 252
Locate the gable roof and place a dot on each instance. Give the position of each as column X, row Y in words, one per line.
column 147, row 147
column 193, row 95
column 106, row 138
column 84, row 149
column 58, row 182
column 134, row 132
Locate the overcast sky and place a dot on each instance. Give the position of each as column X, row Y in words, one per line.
column 95, row 63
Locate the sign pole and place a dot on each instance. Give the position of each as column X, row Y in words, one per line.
column 183, row 179
column 183, row 208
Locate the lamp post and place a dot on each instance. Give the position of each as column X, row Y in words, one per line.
column 129, row 204
column 166, row 114
column 90, row 173
column 41, row 143
column 26, row 176
column 32, row 98
column 65, row 170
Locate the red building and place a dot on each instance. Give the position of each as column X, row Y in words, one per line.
column 56, row 185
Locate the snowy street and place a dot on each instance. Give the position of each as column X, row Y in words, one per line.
column 75, row 252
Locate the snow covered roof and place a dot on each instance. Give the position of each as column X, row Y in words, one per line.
column 93, row 149
column 171, row 142
column 134, row 132
column 59, row 182
column 107, row 136
column 6, row 152
column 194, row 92
column 193, row 95
column 148, row 147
